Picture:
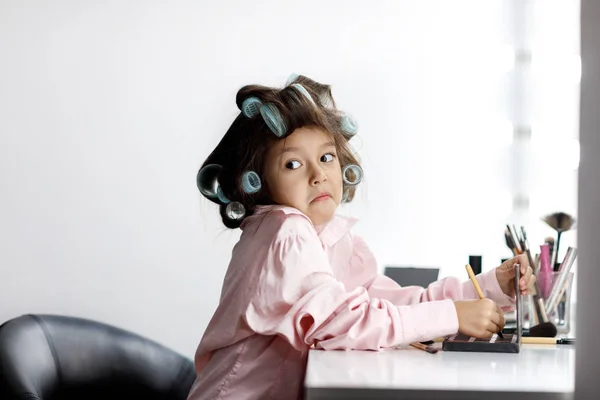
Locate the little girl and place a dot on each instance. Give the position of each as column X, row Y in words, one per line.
column 298, row 277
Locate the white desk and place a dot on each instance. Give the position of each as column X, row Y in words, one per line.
column 538, row 371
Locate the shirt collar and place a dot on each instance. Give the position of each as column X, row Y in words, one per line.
column 336, row 229
column 330, row 233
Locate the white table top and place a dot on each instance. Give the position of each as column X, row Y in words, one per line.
column 541, row 369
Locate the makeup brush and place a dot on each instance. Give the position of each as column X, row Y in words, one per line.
column 525, row 248
column 517, row 235
column 559, row 285
column 544, row 329
column 424, row 347
column 516, row 239
column 560, row 222
column 546, row 340
column 509, row 242
column 512, row 241
column 539, row 305
column 550, row 242
column 545, row 274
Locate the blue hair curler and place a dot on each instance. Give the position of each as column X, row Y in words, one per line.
column 221, row 196
column 251, row 107
column 251, row 182
column 303, row 90
column 206, row 180
column 293, row 76
column 352, row 169
column 273, row 119
column 349, row 125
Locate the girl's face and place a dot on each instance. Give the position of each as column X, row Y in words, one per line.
column 303, row 171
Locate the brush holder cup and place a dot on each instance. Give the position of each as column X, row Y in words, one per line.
column 561, row 315
column 529, row 312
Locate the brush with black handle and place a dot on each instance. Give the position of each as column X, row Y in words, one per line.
column 550, row 242
column 509, row 242
column 525, row 247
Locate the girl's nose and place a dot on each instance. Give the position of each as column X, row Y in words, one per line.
column 318, row 176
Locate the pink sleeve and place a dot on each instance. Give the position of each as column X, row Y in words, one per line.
column 448, row 288
column 298, row 297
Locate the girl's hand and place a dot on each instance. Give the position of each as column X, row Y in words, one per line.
column 506, row 275
column 479, row 318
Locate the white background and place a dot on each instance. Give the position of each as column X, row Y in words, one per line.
column 107, row 109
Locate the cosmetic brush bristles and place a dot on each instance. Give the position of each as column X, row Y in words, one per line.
column 509, row 242
column 544, row 329
column 525, row 244
column 560, row 222
column 517, row 239
column 514, row 240
column 525, row 247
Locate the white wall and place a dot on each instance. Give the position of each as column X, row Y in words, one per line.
column 108, row 108
column 550, row 107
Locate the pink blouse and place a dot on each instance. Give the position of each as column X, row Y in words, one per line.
column 289, row 287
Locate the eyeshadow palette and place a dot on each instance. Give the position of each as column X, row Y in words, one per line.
column 511, row 343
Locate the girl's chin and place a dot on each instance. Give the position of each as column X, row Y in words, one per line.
column 322, row 215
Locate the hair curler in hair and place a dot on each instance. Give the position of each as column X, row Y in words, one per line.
column 251, row 107
column 304, row 92
column 221, row 196
column 206, row 180
column 352, row 174
column 251, row 182
column 273, row 119
column 349, row 125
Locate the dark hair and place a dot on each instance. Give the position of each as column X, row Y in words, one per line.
column 245, row 144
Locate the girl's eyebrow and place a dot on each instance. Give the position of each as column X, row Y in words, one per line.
column 290, row 149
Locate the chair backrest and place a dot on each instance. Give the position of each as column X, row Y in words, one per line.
column 412, row 276
column 62, row 358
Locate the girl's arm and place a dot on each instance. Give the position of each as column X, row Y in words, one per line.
column 448, row 288
column 297, row 296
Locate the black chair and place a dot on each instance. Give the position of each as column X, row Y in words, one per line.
column 53, row 357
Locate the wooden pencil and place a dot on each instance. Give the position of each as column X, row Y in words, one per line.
column 478, row 288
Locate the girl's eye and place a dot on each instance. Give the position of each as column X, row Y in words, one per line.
column 293, row 164
column 327, row 157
